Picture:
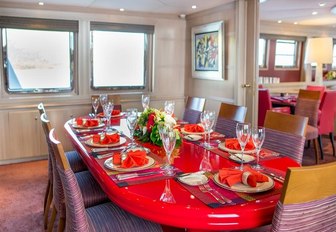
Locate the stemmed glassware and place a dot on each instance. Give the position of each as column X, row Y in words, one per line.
column 167, row 195
column 168, row 137
column 243, row 132
column 108, row 108
column 258, row 137
column 145, row 99
column 103, row 100
column 207, row 119
column 169, row 107
column 95, row 104
column 205, row 164
column 131, row 119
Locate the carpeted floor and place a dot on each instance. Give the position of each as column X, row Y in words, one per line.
column 22, row 188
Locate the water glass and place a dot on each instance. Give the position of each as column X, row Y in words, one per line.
column 145, row 99
column 168, row 137
column 207, row 119
column 103, row 98
column 108, row 108
column 258, row 137
column 95, row 104
column 243, row 132
column 169, row 107
column 131, row 119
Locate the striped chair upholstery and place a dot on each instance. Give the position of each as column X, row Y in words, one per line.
column 193, row 109
column 286, row 144
column 91, row 191
column 102, row 217
column 191, row 116
column 226, row 127
column 308, row 200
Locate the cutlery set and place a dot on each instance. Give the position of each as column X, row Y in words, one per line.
column 206, row 188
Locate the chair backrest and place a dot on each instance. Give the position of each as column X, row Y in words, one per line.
column 75, row 209
column 288, row 123
column 41, row 108
column 320, row 88
column 308, row 200
column 114, row 98
column 327, row 116
column 264, row 104
column 309, row 94
column 232, row 112
column 226, row 127
column 195, row 103
column 308, row 106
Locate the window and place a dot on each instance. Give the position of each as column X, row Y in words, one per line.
column 262, row 58
column 121, row 56
column 38, row 54
column 334, row 56
column 286, row 54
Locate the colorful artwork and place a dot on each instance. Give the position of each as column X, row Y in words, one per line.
column 206, row 51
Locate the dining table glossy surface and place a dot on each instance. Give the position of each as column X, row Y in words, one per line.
column 191, row 209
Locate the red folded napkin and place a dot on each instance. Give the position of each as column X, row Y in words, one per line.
column 193, row 128
column 233, row 144
column 133, row 159
column 248, row 176
column 87, row 122
column 115, row 112
column 107, row 139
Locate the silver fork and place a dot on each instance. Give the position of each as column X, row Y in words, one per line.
column 204, row 190
column 208, row 187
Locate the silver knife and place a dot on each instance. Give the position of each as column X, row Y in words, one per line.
column 107, row 149
column 134, row 175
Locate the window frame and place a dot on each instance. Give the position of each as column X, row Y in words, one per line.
column 148, row 31
column 266, row 55
column 296, row 55
column 333, row 65
column 41, row 24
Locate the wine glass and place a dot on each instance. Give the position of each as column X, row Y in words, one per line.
column 168, row 137
column 258, row 137
column 167, row 195
column 145, row 99
column 243, row 132
column 131, row 119
column 103, row 99
column 169, row 107
column 95, row 104
column 207, row 119
column 108, row 108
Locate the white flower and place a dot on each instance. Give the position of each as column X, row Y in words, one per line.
column 169, row 120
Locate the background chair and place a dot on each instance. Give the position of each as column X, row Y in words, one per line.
column 114, row 98
column 264, row 104
column 228, row 117
column 103, row 217
column 327, row 119
column 308, row 200
column 284, row 133
column 193, row 109
column 320, row 88
column 307, row 105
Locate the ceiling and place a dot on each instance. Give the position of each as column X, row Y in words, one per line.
column 289, row 11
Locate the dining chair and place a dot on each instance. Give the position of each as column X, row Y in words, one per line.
column 265, row 103
column 114, row 98
column 326, row 120
column 229, row 115
column 284, row 133
column 308, row 200
column 320, row 88
column 75, row 161
column 193, row 109
column 307, row 105
column 102, row 217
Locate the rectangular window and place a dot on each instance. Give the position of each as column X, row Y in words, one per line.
column 286, row 54
column 262, row 58
column 334, row 56
column 38, row 55
column 121, row 56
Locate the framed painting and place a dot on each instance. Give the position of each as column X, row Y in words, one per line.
column 207, row 51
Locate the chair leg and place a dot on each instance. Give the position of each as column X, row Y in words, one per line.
column 331, row 136
column 308, row 143
column 319, row 138
column 61, row 224
column 46, row 209
column 52, row 219
column 316, row 148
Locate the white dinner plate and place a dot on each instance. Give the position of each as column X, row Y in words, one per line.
column 193, row 137
column 117, row 115
column 92, row 144
column 193, row 133
column 224, row 148
column 74, row 125
column 109, row 164
column 240, row 187
column 237, row 157
column 193, row 179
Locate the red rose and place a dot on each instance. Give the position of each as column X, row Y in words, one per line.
column 150, row 122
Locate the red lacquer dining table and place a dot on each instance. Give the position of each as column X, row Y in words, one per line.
column 192, row 209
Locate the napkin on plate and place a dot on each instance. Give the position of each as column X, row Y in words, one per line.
column 87, row 122
column 193, row 128
column 233, row 144
column 248, row 176
column 106, row 138
column 133, row 159
column 115, row 112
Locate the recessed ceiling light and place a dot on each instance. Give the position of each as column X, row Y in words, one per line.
column 322, row 4
column 121, row 9
column 262, row 1
column 296, row 23
column 279, row 21
column 314, row 13
column 193, row 6
column 41, row 3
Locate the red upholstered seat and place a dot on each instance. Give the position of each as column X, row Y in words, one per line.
column 265, row 104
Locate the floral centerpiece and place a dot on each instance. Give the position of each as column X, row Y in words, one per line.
column 147, row 126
